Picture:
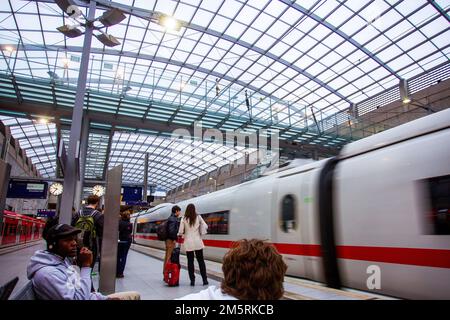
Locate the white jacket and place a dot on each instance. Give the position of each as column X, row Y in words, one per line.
column 212, row 293
column 191, row 234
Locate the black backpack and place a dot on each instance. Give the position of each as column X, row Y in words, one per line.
column 161, row 231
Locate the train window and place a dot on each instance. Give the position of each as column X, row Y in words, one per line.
column 147, row 227
column 217, row 222
column 288, row 221
column 438, row 216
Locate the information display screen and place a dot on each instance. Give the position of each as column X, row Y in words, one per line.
column 27, row 189
column 132, row 194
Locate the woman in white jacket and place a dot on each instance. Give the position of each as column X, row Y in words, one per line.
column 192, row 227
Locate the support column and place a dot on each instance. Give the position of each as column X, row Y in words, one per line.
column 110, row 239
column 83, row 154
column 145, row 178
column 70, row 177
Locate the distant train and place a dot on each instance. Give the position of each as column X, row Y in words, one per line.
column 374, row 218
column 19, row 229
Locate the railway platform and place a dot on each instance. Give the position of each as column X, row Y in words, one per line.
column 143, row 273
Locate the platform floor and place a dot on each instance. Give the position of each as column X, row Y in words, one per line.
column 143, row 273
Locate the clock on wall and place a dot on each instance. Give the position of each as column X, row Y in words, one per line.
column 98, row 190
column 56, row 189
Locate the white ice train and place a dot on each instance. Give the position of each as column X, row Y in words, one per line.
column 374, row 218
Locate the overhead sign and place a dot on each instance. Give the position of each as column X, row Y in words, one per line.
column 137, row 203
column 132, row 194
column 46, row 213
column 27, row 189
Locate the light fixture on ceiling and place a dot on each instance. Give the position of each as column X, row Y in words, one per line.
column 70, row 31
column 65, row 5
column 42, row 121
column 404, row 92
column 108, row 19
column 168, row 22
column 107, row 39
column 53, row 75
column 126, row 89
column 65, row 62
column 8, row 48
column 112, row 17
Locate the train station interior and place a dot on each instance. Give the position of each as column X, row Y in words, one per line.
column 318, row 126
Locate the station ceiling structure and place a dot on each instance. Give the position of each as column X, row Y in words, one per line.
column 291, row 67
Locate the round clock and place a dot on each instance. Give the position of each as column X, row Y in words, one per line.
column 98, row 190
column 56, row 189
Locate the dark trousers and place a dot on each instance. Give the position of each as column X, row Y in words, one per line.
column 122, row 252
column 201, row 264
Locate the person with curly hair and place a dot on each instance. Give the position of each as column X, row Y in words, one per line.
column 252, row 269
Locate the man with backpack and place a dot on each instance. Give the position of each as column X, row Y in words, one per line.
column 90, row 221
column 172, row 225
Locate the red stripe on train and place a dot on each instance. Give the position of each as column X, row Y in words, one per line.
column 409, row 256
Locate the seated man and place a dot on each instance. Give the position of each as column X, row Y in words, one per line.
column 252, row 270
column 56, row 277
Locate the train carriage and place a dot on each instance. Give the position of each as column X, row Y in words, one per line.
column 374, row 218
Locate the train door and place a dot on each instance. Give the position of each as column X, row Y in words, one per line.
column 288, row 223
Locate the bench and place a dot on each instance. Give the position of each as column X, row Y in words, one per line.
column 25, row 293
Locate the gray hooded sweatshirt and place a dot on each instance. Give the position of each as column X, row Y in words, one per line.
column 55, row 278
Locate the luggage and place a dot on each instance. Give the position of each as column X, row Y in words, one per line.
column 175, row 257
column 172, row 269
column 172, row 274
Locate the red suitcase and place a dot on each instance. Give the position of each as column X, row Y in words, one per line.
column 172, row 274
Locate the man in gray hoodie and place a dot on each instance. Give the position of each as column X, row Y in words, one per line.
column 55, row 277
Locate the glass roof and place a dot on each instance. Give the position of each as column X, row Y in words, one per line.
column 172, row 162
column 235, row 64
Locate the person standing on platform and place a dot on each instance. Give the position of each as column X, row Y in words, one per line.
column 173, row 224
column 192, row 227
column 90, row 221
column 125, row 231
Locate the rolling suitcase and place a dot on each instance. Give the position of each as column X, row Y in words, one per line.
column 172, row 269
column 172, row 274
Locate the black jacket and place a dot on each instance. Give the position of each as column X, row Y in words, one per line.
column 98, row 220
column 173, row 224
column 125, row 230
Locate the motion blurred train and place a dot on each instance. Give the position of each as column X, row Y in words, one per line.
column 374, row 218
column 18, row 229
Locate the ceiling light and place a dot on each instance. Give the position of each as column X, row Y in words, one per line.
column 52, row 75
column 126, row 89
column 70, row 31
column 65, row 62
column 170, row 23
column 108, row 40
column 42, row 121
column 65, row 4
column 112, row 17
column 404, row 91
column 9, row 48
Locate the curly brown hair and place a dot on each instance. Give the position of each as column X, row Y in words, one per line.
column 253, row 270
